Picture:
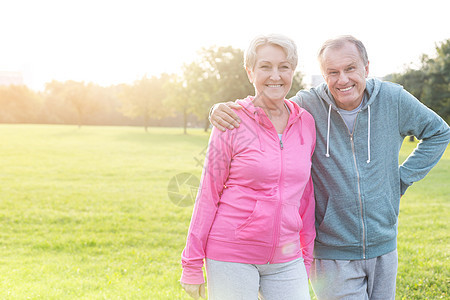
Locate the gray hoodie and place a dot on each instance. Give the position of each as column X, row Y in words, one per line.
column 357, row 178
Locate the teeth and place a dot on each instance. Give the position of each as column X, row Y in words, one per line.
column 274, row 85
column 347, row 89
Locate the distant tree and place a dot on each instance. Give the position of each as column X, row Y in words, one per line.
column 145, row 99
column 55, row 109
column 297, row 84
column 106, row 98
column 228, row 66
column 430, row 83
column 199, row 89
column 413, row 80
column 66, row 98
column 436, row 92
column 80, row 96
column 18, row 104
column 179, row 98
column 217, row 75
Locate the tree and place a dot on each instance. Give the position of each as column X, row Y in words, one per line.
column 65, row 98
column 18, row 104
column 80, row 97
column 217, row 75
column 179, row 98
column 430, row 83
column 436, row 92
column 297, row 84
column 145, row 99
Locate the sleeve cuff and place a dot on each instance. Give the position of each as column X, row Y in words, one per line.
column 191, row 276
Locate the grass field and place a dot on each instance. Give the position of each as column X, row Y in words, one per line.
column 85, row 214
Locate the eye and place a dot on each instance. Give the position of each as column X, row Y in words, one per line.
column 350, row 69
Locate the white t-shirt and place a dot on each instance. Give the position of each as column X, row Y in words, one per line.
column 349, row 116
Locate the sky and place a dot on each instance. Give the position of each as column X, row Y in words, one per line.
column 112, row 42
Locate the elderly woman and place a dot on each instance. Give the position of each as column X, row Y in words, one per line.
column 253, row 220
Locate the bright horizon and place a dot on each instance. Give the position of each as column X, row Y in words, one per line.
column 112, row 42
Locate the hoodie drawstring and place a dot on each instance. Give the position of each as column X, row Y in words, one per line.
column 328, row 132
column 368, row 134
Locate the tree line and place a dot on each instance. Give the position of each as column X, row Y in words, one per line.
column 184, row 100
column 430, row 82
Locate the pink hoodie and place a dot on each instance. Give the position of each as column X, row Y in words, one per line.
column 255, row 203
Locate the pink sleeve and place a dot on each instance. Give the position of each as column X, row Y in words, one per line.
column 308, row 232
column 307, row 213
column 214, row 176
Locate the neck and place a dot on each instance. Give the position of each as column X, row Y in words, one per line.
column 349, row 106
column 271, row 107
column 276, row 111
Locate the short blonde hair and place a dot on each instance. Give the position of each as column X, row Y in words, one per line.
column 279, row 40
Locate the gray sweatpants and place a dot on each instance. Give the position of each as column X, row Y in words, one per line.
column 236, row 281
column 370, row 279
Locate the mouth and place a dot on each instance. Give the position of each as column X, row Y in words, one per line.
column 346, row 89
column 274, row 85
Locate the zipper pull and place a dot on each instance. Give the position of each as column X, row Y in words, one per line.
column 281, row 145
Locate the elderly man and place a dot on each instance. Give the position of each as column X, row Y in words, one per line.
column 361, row 124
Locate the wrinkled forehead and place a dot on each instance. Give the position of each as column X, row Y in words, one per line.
column 340, row 56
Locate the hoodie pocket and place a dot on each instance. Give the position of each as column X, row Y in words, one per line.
column 258, row 227
column 381, row 220
column 291, row 222
column 341, row 225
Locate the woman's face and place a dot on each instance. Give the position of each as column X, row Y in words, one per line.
column 272, row 74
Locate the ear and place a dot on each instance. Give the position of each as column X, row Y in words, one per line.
column 249, row 75
column 367, row 69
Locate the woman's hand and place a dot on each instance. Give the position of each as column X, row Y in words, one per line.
column 194, row 290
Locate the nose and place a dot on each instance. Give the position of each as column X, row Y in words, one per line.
column 343, row 78
column 275, row 74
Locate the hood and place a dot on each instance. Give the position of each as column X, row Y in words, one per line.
column 372, row 89
column 259, row 115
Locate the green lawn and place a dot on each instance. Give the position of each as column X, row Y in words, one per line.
column 86, row 214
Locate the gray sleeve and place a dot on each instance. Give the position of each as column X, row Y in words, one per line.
column 297, row 98
column 434, row 134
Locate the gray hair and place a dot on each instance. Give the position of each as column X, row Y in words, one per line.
column 338, row 42
column 285, row 43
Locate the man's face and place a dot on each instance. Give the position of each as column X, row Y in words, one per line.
column 345, row 74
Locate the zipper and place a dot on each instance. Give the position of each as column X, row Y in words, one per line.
column 359, row 186
column 360, row 200
column 278, row 213
column 277, row 222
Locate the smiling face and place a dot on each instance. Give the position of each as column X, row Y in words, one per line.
column 272, row 73
column 345, row 74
